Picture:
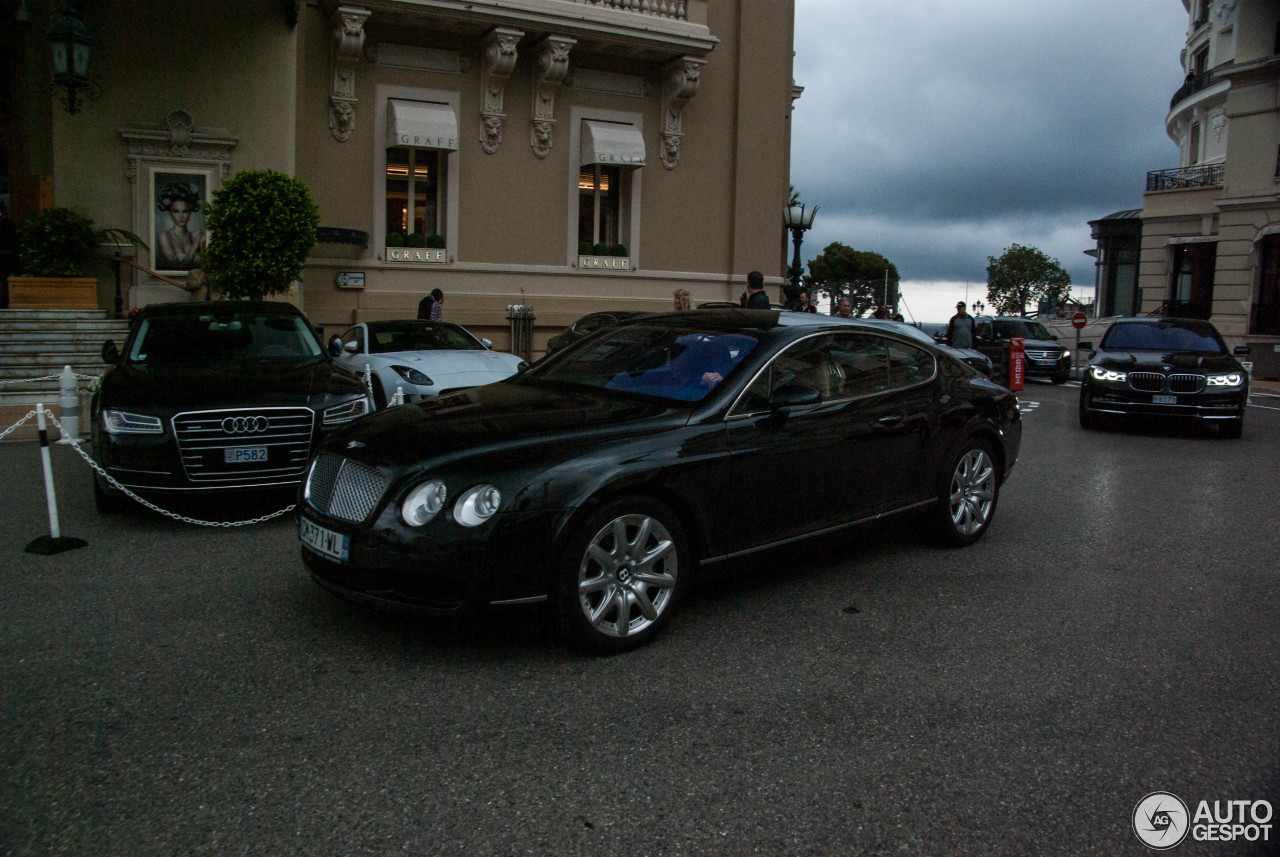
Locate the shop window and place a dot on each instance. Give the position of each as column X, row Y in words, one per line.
column 1265, row 316
column 414, row 195
column 600, row 206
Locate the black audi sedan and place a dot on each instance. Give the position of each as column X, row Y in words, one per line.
column 217, row 396
column 1045, row 356
column 1164, row 369
column 599, row 481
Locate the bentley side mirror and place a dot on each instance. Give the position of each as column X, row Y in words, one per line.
column 352, row 347
column 110, row 354
column 790, row 396
column 1241, row 351
column 335, row 346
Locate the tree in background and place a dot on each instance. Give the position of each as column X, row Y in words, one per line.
column 1022, row 275
column 842, row 272
column 262, row 224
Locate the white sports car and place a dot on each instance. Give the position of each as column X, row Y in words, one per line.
column 422, row 358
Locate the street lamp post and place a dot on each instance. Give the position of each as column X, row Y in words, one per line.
column 798, row 219
column 71, row 44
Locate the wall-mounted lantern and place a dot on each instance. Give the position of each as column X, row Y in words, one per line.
column 71, row 43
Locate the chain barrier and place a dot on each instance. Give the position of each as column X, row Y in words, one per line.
column 58, row 377
column 16, row 425
column 152, row 506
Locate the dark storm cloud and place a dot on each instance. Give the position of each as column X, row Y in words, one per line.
column 938, row 133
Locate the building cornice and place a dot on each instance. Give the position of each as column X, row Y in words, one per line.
column 594, row 26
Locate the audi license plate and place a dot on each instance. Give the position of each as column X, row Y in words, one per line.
column 1164, row 400
column 324, row 541
column 244, row 454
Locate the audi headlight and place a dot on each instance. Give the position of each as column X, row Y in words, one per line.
column 1231, row 379
column 1066, row 352
column 413, row 376
column 477, row 505
column 123, row 422
column 1100, row 374
column 347, row 411
column 423, row 503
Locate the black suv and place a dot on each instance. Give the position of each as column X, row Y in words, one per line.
column 1046, row 357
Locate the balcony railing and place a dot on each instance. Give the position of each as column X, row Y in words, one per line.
column 1204, row 80
column 1203, row 175
column 677, row 9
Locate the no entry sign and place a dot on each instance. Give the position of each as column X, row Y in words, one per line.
column 1079, row 320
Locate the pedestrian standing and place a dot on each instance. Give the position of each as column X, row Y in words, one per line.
column 845, row 309
column 756, row 298
column 803, row 304
column 430, row 307
column 960, row 329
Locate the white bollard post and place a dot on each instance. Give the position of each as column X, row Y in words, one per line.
column 54, row 542
column 398, row 399
column 69, row 404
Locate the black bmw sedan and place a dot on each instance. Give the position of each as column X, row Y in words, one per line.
column 601, row 479
column 227, row 395
column 1164, row 368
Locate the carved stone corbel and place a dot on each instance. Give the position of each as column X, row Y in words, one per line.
column 347, row 25
column 679, row 83
column 498, row 58
column 550, row 63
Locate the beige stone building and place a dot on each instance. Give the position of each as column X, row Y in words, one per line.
column 1211, row 227
column 569, row 155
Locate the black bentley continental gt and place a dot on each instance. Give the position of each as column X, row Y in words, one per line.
column 601, row 479
column 1164, row 369
column 216, row 397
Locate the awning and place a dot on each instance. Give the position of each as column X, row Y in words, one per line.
column 1193, row 239
column 612, row 143
column 421, row 125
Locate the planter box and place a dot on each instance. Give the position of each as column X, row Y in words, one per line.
column 53, row 293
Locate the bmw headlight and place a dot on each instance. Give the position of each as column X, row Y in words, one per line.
column 347, row 411
column 1230, row 379
column 423, row 503
column 413, row 376
column 477, row 505
column 1100, row 374
column 123, row 422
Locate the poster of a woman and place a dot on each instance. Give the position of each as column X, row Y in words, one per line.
column 179, row 237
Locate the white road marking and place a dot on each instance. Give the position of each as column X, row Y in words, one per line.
column 1027, row 407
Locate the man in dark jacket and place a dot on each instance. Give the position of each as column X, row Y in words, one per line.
column 756, row 298
column 960, row 329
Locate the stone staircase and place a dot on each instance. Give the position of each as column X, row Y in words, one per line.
column 37, row 343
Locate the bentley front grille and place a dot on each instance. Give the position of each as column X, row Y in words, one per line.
column 245, row 447
column 344, row 489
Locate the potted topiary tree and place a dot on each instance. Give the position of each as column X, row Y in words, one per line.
column 56, row 248
column 262, row 224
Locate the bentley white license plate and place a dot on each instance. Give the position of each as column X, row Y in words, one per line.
column 244, row 454
column 1164, row 400
column 324, row 541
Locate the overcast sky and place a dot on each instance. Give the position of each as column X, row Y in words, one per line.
column 939, row 132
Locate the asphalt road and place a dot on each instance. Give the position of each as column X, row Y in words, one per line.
column 179, row 690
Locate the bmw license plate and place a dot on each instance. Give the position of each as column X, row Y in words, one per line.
column 1164, row 400
column 244, row 454
column 324, row 541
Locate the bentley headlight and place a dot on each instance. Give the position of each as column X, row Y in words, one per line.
column 423, row 503
column 413, row 376
column 1100, row 374
column 123, row 422
column 347, row 411
column 477, row 505
column 1231, row 379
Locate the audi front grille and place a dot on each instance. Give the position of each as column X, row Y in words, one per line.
column 344, row 489
column 282, row 434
